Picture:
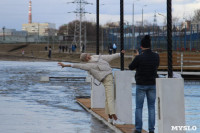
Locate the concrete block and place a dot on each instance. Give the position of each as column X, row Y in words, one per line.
column 123, row 86
column 170, row 101
column 44, row 79
column 97, row 94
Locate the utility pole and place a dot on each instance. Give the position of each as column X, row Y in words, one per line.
column 169, row 38
column 155, row 19
column 133, row 28
column 80, row 29
column 97, row 28
column 142, row 15
column 3, row 33
column 122, row 32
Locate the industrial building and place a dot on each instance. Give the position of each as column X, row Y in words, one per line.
column 40, row 29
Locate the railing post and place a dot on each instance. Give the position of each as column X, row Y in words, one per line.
column 181, row 62
column 122, row 32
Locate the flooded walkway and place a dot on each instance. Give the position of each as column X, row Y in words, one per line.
column 30, row 106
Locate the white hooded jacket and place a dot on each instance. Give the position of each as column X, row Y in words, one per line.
column 98, row 66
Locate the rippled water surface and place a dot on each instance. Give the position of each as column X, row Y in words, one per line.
column 30, row 106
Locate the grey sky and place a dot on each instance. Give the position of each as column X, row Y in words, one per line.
column 14, row 13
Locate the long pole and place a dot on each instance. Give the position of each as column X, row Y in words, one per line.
column 142, row 16
column 102, row 40
column 80, row 26
column 97, row 28
column 122, row 32
column 4, row 33
column 169, row 37
column 133, row 29
column 38, row 31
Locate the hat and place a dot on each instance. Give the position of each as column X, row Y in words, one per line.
column 146, row 41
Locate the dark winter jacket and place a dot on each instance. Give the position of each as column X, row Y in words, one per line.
column 146, row 65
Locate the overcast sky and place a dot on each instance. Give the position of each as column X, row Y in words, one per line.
column 14, row 13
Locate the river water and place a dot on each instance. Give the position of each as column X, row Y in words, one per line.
column 30, row 106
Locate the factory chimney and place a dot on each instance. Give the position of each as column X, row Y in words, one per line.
column 30, row 13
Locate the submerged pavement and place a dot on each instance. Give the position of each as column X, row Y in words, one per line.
column 30, row 106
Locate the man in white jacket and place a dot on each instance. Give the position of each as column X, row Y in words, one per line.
column 98, row 66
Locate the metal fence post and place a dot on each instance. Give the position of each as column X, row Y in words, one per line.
column 169, row 37
column 122, row 31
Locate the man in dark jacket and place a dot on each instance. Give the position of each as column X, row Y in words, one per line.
column 146, row 65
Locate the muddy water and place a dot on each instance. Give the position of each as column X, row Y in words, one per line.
column 30, row 106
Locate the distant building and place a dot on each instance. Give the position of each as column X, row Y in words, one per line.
column 186, row 25
column 12, row 32
column 41, row 29
column 112, row 24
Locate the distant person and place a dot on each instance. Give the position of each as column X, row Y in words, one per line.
column 60, row 48
column 63, row 48
column 73, row 48
column 49, row 55
column 22, row 52
column 114, row 48
column 70, row 48
column 45, row 48
column 146, row 65
column 83, row 48
column 66, row 48
column 103, row 75
column 110, row 48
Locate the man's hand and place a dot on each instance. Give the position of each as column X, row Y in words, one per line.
column 123, row 51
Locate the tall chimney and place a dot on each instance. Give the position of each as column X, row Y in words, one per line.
column 30, row 13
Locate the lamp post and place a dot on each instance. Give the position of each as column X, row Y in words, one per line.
column 169, row 38
column 97, row 27
column 142, row 15
column 122, row 32
column 133, row 26
column 4, row 32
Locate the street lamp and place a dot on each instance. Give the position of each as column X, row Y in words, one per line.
column 142, row 15
column 97, row 27
column 4, row 32
column 133, row 26
column 162, row 15
column 165, row 21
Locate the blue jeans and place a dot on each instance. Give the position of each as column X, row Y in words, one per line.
column 150, row 92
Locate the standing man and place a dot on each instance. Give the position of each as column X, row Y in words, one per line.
column 49, row 55
column 146, row 65
column 114, row 48
column 110, row 48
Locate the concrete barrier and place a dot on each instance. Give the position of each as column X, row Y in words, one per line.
column 170, row 101
column 123, row 85
column 44, row 79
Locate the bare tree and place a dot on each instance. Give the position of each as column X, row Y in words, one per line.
column 196, row 17
column 175, row 21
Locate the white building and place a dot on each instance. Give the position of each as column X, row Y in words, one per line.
column 40, row 29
